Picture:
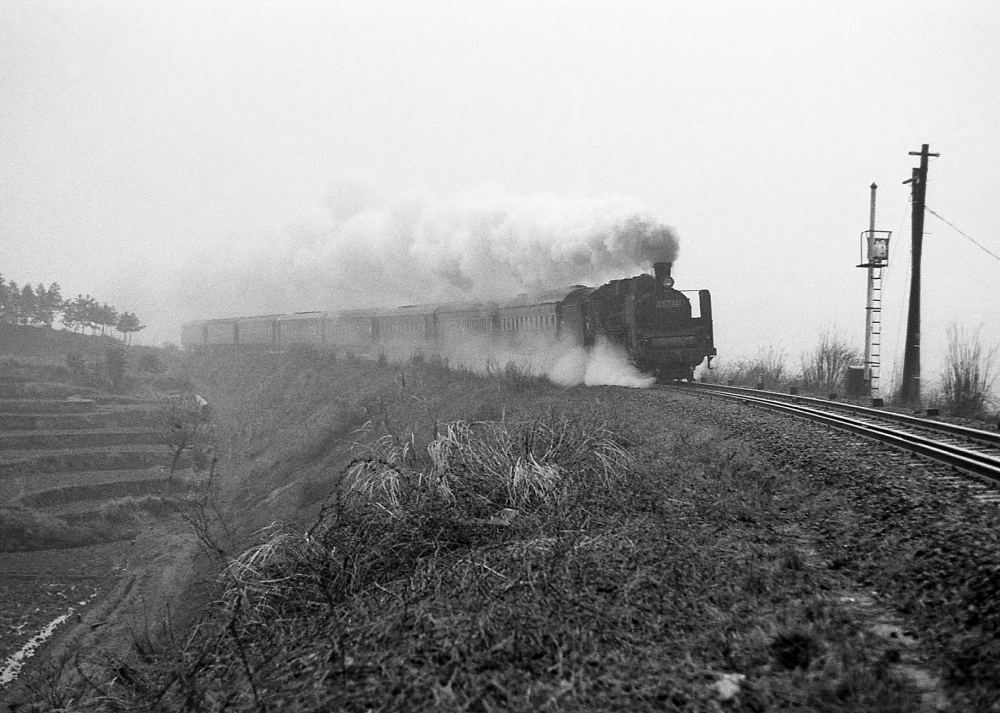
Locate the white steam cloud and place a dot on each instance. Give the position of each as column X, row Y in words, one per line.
column 363, row 249
column 606, row 364
column 488, row 242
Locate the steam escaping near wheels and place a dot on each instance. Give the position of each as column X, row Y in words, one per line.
column 606, row 364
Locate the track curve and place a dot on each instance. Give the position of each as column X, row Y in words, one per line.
column 973, row 452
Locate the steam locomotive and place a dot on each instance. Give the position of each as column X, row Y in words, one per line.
column 645, row 315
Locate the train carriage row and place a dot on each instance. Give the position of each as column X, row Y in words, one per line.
column 643, row 314
column 364, row 328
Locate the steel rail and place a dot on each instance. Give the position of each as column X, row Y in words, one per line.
column 971, row 461
column 951, row 429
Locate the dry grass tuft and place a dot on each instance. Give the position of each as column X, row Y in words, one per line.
column 484, row 467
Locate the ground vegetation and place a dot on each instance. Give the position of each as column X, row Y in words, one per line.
column 824, row 368
column 969, row 374
column 966, row 389
column 406, row 537
column 767, row 369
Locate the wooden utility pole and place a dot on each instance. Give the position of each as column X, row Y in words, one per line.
column 910, row 390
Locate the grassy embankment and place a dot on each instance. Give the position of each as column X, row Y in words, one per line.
column 500, row 543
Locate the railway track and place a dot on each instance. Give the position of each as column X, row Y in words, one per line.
column 972, row 454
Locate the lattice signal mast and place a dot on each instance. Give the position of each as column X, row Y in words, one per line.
column 875, row 257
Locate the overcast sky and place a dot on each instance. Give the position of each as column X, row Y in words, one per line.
column 188, row 159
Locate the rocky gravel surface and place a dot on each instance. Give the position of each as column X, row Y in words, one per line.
column 924, row 548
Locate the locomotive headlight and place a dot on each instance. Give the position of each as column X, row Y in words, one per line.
column 668, row 282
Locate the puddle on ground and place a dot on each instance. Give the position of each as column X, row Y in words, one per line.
column 15, row 662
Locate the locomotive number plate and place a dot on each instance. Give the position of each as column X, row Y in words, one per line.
column 669, row 304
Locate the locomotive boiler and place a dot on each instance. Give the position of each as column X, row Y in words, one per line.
column 652, row 321
column 649, row 319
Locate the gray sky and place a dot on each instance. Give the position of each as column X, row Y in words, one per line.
column 186, row 159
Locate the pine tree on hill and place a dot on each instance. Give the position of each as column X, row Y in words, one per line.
column 28, row 306
column 106, row 317
column 128, row 324
column 49, row 302
column 4, row 301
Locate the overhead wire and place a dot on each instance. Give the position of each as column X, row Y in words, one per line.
column 961, row 133
column 964, row 234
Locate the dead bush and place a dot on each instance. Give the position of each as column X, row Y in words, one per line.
column 969, row 373
column 823, row 368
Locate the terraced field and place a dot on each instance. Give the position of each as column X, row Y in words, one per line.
column 84, row 476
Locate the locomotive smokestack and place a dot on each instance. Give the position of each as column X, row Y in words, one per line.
column 662, row 272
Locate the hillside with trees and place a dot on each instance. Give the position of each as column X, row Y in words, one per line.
column 39, row 306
